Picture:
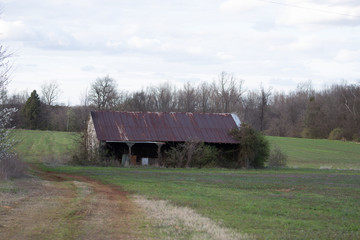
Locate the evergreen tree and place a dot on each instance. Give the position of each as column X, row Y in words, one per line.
column 31, row 111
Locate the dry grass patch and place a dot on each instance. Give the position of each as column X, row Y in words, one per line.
column 110, row 215
column 185, row 223
column 36, row 211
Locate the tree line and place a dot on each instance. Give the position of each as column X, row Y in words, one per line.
column 40, row 110
column 302, row 112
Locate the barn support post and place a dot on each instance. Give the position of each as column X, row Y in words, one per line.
column 159, row 156
column 129, row 144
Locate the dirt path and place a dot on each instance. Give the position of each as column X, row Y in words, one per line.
column 69, row 207
column 63, row 206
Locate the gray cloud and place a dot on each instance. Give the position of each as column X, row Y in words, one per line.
column 187, row 40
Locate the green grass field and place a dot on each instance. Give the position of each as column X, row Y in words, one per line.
column 35, row 146
column 269, row 204
column 319, row 153
column 300, row 202
column 302, row 153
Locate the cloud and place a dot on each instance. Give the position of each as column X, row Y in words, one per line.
column 240, row 6
column 12, row 30
column 57, row 40
column 282, row 82
column 130, row 29
column 308, row 13
column 113, row 44
column 337, row 70
column 302, row 43
column 83, row 39
column 346, row 55
column 225, row 56
column 43, row 38
column 88, row 68
column 139, row 43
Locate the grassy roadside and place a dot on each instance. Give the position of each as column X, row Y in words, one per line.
column 283, row 204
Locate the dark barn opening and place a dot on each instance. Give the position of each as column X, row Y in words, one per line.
column 141, row 150
column 151, row 151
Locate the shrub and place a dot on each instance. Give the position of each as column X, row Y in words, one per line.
column 253, row 147
column 277, row 158
column 81, row 155
column 312, row 133
column 84, row 155
column 305, row 133
column 336, row 134
column 12, row 167
column 192, row 153
column 356, row 137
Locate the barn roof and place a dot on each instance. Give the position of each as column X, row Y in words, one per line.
column 163, row 127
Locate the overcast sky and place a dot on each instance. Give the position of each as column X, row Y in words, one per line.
column 140, row 42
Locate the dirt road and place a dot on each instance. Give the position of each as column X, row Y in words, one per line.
column 59, row 206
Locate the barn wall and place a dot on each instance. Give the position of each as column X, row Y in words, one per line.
column 92, row 141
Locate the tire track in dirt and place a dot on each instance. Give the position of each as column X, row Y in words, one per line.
column 170, row 222
column 61, row 206
column 106, row 212
column 36, row 211
column 64, row 206
column 110, row 213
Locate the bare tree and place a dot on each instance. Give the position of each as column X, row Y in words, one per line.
column 263, row 106
column 82, row 111
column 164, row 96
column 187, row 98
column 50, row 92
column 228, row 91
column 249, row 114
column 123, row 100
column 84, row 98
column 351, row 96
column 103, row 93
column 278, row 125
column 6, row 144
column 139, row 101
column 204, row 92
column 5, row 67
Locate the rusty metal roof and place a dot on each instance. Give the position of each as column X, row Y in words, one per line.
column 163, row 127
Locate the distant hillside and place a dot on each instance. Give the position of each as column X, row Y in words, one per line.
column 319, row 153
column 35, row 146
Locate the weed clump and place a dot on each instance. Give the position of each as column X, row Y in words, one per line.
column 277, row 158
column 336, row 134
column 192, row 153
column 12, row 167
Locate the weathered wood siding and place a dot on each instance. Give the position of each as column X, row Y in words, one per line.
column 93, row 142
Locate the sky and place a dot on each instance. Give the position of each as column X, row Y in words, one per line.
column 276, row 44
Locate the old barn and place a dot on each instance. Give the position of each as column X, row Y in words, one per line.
column 138, row 138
